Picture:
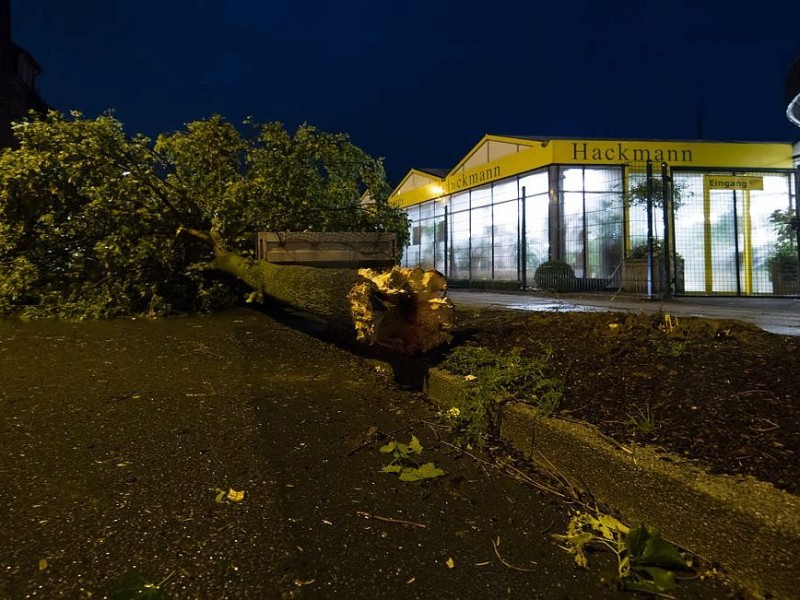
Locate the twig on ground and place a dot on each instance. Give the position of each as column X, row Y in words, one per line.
column 508, row 470
column 559, row 476
column 549, row 525
column 503, row 561
column 773, row 426
column 433, row 427
column 367, row 515
column 165, row 580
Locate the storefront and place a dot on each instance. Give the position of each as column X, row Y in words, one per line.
column 513, row 204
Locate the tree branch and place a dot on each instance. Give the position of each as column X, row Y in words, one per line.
column 212, row 238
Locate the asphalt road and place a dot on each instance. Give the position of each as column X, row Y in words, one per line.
column 118, row 436
column 776, row 315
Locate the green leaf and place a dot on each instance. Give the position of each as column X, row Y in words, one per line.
column 636, row 541
column 650, row 579
column 415, row 446
column 392, row 469
column 390, row 447
column 426, row 471
column 609, row 524
column 658, row 553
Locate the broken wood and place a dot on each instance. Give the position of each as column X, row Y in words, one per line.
column 403, row 309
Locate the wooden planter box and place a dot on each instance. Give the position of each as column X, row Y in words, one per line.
column 784, row 282
column 634, row 275
column 327, row 249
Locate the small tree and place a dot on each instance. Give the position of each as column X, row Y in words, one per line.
column 637, row 196
column 637, row 193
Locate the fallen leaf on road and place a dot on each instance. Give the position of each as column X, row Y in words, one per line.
column 235, row 496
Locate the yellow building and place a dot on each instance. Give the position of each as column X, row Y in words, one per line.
column 514, row 203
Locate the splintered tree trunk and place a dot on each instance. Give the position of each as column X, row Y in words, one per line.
column 403, row 309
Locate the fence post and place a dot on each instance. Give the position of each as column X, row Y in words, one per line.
column 446, row 239
column 796, row 220
column 523, row 247
column 666, row 258
column 649, row 229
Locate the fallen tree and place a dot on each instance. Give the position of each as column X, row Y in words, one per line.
column 403, row 309
column 88, row 217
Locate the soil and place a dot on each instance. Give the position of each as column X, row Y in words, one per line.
column 722, row 393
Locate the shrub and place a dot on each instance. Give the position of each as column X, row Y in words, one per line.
column 555, row 275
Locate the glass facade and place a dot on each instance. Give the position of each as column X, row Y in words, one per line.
column 595, row 218
column 726, row 237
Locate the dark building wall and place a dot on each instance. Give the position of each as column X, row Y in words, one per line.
column 18, row 72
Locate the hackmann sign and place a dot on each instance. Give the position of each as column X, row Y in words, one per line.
column 471, row 178
column 623, row 153
column 577, row 152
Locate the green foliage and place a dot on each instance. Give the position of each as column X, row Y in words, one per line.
column 671, row 348
column 783, row 258
column 645, row 562
column 80, row 234
column 555, row 275
column 404, row 462
column 637, row 193
column 644, row 421
column 88, row 214
column 498, row 378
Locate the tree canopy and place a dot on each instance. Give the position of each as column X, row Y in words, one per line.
column 89, row 214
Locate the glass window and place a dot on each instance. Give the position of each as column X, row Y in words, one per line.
column 506, row 239
column 592, row 221
column 482, row 238
column 504, row 191
column 535, row 183
column 459, row 202
column 481, row 196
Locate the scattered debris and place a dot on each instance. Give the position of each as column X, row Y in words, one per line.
column 231, row 495
column 404, row 464
column 367, row 515
column 496, row 545
column 646, row 562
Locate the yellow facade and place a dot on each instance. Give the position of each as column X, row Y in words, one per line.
column 530, row 155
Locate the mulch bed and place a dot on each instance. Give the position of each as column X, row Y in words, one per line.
column 723, row 393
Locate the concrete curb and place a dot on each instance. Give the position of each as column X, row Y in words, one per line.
column 748, row 527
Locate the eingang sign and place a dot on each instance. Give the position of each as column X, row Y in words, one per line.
column 731, row 182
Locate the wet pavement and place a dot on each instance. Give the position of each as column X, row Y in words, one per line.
column 118, row 437
column 776, row 315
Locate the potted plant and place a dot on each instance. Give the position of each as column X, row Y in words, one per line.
column 634, row 269
column 783, row 263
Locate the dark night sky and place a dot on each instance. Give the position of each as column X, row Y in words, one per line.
column 419, row 83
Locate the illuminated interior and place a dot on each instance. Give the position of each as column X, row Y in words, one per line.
column 495, row 222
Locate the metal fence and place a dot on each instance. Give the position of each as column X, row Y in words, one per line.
column 642, row 228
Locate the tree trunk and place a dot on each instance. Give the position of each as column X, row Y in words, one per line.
column 403, row 309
